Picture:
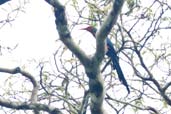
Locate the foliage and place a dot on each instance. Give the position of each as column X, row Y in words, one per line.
column 141, row 37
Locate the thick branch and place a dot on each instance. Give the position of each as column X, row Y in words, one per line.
column 97, row 95
column 106, row 28
column 64, row 33
column 26, row 106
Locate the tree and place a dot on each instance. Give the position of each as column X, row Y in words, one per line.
column 139, row 33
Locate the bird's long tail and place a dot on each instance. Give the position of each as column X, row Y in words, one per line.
column 115, row 61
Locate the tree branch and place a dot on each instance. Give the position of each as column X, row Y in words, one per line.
column 27, row 75
column 106, row 27
column 64, row 33
column 84, row 104
column 16, row 70
column 27, row 106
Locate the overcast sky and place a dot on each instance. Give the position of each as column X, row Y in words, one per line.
column 34, row 32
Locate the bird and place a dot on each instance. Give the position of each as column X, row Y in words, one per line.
column 111, row 53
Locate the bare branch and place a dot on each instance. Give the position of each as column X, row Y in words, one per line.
column 27, row 106
column 84, row 104
column 27, row 75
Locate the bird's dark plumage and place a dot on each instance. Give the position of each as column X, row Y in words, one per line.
column 3, row 1
column 112, row 54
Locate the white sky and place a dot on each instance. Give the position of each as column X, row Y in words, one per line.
column 34, row 32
